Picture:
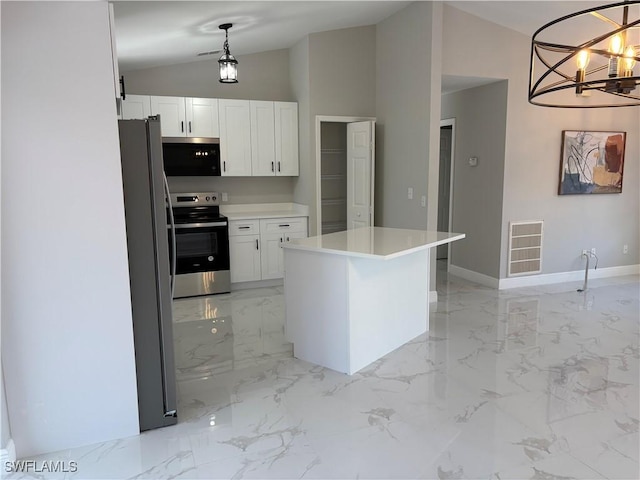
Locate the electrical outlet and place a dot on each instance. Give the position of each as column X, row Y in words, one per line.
column 225, row 197
column 410, row 193
column 584, row 251
column 625, row 249
column 593, row 251
column 423, row 201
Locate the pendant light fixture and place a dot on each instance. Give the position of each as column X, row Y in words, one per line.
column 587, row 59
column 227, row 62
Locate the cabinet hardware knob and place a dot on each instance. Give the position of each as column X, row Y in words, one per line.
column 257, row 244
column 182, row 126
column 189, row 126
column 283, row 225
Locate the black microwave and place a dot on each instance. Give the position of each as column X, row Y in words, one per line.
column 191, row 156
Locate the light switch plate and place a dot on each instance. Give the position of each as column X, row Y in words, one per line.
column 473, row 161
column 410, row 193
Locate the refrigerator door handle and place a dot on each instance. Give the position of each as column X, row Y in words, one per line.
column 172, row 226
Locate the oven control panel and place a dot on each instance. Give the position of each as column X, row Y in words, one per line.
column 194, row 199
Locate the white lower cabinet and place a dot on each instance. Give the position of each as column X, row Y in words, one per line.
column 244, row 250
column 255, row 246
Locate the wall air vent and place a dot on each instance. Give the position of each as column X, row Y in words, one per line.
column 525, row 248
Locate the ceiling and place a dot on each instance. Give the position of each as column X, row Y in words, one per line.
column 155, row 33
column 150, row 33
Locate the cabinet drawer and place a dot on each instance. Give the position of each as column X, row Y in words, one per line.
column 244, row 227
column 275, row 225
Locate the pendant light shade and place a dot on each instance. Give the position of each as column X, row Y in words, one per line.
column 227, row 63
column 587, row 59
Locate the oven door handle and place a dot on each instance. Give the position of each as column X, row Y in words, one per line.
column 172, row 226
column 197, row 225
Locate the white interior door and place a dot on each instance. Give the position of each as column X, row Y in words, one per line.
column 360, row 171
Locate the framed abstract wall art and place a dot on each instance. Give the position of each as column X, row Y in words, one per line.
column 591, row 162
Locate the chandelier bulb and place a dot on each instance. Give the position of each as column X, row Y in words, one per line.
column 582, row 59
column 616, row 46
column 629, row 60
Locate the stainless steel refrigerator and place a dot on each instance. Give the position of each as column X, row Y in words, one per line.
column 149, row 270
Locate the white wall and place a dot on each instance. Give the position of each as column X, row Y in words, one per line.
column 339, row 84
column 404, row 100
column 532, row 153
column 5, row 430
column 481, row 115
column 239, row 190
column 261, row 76
column 67, row 340
column 304, row 186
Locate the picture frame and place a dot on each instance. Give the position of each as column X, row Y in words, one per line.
column 591, row 162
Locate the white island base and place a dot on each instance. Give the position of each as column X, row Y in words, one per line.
column 352, row 297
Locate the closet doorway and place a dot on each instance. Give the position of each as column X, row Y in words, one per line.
column 345, row 172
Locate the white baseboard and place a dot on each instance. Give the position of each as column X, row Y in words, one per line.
column 472, row 276
column 276, row 282
column 433, row 296
column 8, row 454
column 542, row 279
column 561, row 277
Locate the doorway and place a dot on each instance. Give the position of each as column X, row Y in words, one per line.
column 445, row 188
column 345, row 161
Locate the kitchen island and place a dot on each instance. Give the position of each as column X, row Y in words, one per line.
column 351, row 297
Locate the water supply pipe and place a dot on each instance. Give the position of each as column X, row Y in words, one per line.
column 586, row 270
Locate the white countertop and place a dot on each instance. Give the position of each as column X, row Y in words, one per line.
column 374, row 242
column 264, row 210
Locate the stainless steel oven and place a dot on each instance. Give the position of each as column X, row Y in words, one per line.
column 200, row 239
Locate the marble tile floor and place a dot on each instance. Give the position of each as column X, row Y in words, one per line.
column 533, row 383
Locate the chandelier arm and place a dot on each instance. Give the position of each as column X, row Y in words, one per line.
column 551, row 69
column 604, row 18
column 589, row 43
column 585, row 84
column 546, row 90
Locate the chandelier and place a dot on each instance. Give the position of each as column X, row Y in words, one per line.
column 587, row 59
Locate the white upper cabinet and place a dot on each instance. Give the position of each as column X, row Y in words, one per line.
column 257, row 138
column 186, row 117
column 274, row 138
column 202, row 117
column 172, row 115
column 263, row 153
column 286, row 138
column 235, row 137
column 135, row 107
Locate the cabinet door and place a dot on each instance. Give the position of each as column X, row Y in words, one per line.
column 286, row 138
column 202, row 117
column 244, row 257
column 263, row 155
column 136, row 107
column 172, row 115
column 235, row 137
column 272, row 257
